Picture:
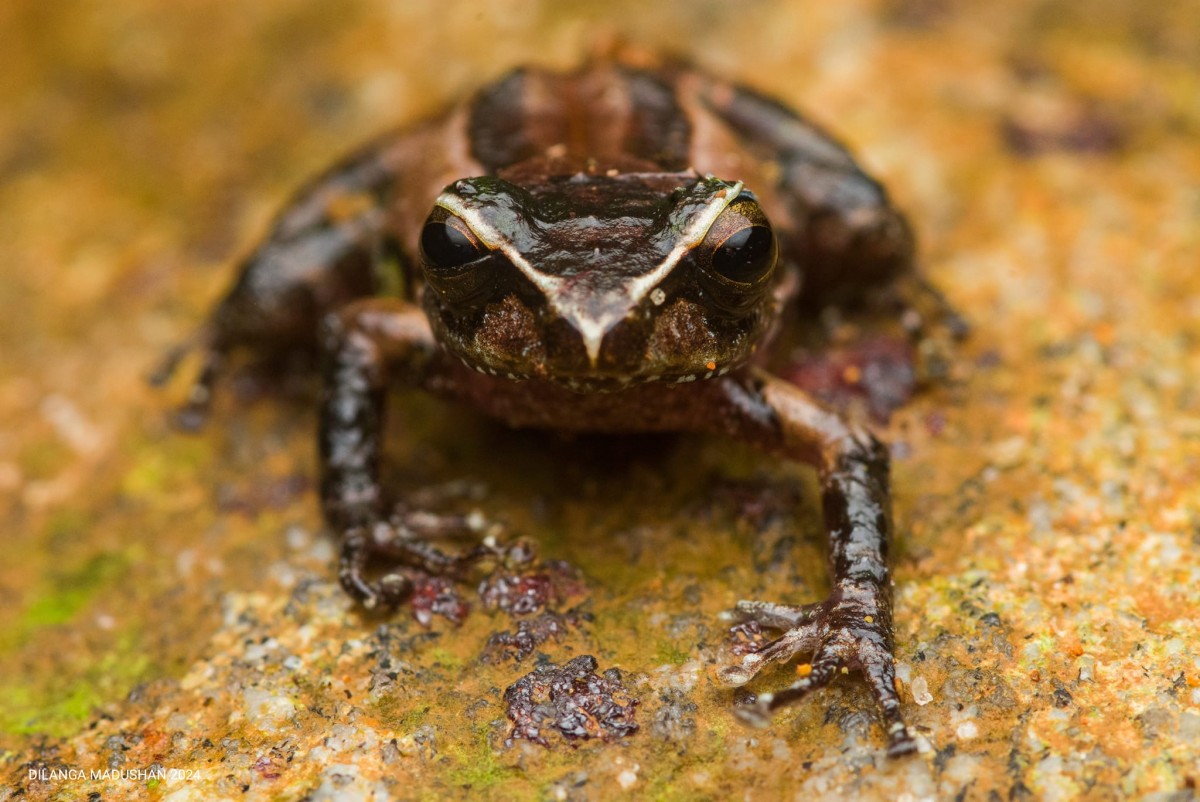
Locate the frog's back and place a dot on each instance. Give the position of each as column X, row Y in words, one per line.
column 604, row 111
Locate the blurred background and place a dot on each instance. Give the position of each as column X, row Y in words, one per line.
column 1046, row 573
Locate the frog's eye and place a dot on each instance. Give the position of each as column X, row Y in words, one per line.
column 447, row 242
column 454, row 261
column 737, row 258
column 746, row 255
column 739, row 250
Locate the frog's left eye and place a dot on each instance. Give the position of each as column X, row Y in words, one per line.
column 447, row 242
column 739, row 249
column 745, row 255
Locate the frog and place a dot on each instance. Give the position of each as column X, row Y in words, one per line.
column 611, row 249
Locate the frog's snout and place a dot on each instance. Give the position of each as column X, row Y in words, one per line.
column 592, row 313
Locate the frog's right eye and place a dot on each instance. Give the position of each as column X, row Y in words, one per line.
column 455, row 262
column 447, row 242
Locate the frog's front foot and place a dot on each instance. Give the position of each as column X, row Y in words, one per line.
column 849, row 631
column 402, row 542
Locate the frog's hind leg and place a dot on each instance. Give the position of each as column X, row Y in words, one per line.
column 324, row 250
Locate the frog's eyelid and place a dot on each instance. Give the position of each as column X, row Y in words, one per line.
column 746, row 194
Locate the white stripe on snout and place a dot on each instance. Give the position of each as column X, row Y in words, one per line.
column 557, row 289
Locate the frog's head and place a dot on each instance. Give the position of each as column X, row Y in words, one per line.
column 598, row 279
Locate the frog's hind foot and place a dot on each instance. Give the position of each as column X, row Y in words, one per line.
column 840, row 639
column 414, row 515
column 191, row 415
column 926, row 309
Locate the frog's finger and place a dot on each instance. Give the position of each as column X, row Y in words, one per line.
column 778, row 616
column 818, row 675
column 881, row 676
column 796, row 640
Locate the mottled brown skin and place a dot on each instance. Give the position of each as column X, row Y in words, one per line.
column 596, row 287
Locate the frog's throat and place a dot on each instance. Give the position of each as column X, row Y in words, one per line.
column 568, row 297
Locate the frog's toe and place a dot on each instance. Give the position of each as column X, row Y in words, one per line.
column 393, row 589
column 386, row 593
column 359, row 544
column 421, row 524
column 408, row 546
column 401, row 546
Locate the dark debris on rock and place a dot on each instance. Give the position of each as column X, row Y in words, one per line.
column 572, row 700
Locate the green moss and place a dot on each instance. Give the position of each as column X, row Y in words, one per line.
column 476, row 766
column 60, row 598
column 63, row 693
column 146, row 477
column 412, row 719
column 159, row 467
column 442, row 657
column 672, row 654
column 63, row 596
column 29, row 711
column 56, row 704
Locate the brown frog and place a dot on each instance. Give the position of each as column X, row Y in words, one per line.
column 612, row 250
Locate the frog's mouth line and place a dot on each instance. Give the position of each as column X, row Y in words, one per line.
column 598, row 383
